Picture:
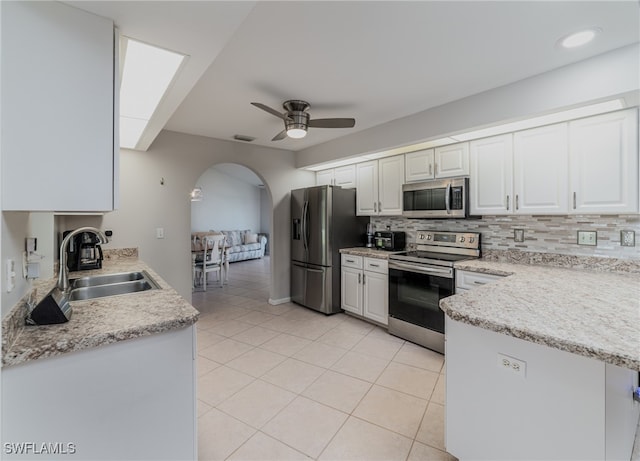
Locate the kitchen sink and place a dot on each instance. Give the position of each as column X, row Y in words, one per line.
column 100, row 286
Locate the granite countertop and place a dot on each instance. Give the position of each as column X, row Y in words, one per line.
column 368, row 252
column 99, row 321
column 589, row 313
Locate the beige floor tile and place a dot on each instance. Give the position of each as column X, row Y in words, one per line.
column 261, row 447
column 311, row 330
column 339, row 391
column 438, row 395
column 257, row 403
column 320, row 354
column 225, row 351
column 256, row 318
column 341, row 338
column 381, row 333
column 376, row 347
column 355, row 325
column 360, row 366
column 431, row 430
column 422, row 452
column 293, row 375
column 206, row 338
column 285, row 344
column 392, row 410
column 202, row 407
column 230, row 328
column 281, row 324
column 410, row 380
column 359, row 440
column 279, row 309
column 256, row 336
column 417, row 356
column 205, row 365
column 219, row 435
column 256, row 362
column 306, row 425
column 221, row 383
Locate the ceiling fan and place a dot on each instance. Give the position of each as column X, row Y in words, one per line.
column 297, row 120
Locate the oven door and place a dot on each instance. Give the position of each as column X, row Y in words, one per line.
column 415, row 292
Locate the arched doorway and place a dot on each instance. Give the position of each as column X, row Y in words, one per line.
column 233, row 199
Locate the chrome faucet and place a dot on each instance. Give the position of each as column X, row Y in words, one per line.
column 63, row 273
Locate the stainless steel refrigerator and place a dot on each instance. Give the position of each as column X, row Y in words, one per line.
column 323, row 220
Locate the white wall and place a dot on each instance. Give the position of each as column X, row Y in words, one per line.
column 228, row 203
column 180, row 159
column 608, row 75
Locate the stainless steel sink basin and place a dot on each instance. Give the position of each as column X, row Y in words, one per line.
column 106, row 279
column 100, row 286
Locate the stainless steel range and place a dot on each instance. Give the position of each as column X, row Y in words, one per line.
column 419, row 279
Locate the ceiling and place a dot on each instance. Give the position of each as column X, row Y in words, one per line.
column 374, row 61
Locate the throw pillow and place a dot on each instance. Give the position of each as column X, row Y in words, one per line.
column 250, row 238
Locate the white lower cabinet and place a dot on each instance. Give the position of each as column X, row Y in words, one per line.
column 133, row 400
column 365, row 287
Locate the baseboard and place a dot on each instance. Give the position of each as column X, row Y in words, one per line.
column 275, row 302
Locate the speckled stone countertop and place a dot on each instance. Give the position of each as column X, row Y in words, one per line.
column 589, row 313
column 368, row 252
column 99, row 321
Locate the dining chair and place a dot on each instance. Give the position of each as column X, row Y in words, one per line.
column 211, row 259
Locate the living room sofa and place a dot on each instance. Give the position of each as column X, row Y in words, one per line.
column 244, row 244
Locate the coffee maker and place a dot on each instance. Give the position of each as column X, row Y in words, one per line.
column 84, row 252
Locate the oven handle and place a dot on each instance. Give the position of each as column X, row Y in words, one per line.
column 448, row 273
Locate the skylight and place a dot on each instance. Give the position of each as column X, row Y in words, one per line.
column 147, row 74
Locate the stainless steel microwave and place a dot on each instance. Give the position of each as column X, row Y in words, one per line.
column 440, row 198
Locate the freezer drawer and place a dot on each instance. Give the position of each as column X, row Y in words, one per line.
column 313, row 287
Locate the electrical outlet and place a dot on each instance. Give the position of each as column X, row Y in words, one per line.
column 511, row 364
column 159, row 232
column 587, row 238
column 518, row 235
column 627, row 238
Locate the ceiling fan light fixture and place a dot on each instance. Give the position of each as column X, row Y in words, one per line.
column 296, row 133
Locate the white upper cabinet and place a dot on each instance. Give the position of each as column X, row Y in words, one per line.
column 379, row 186
column 58, row 143
column 541, row 170
column 491, row 179
column 604, row 163
column 452, row 160
column 344, row 176
column 418, row 165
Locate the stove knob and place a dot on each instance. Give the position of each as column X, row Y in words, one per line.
column 461, row 239
column 421, row 236
column 429, row 237
column 471, row 239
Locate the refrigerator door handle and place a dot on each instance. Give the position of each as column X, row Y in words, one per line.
column 305, row 209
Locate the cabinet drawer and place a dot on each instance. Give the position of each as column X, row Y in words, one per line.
column 376, row 265
column 468, row 280
column 352, row 261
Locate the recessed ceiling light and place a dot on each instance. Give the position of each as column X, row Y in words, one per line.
column 579, row 38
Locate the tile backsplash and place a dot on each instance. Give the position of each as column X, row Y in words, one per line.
column 543, row 234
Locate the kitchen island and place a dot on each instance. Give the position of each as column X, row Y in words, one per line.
column 542, row 363
column 115, row 382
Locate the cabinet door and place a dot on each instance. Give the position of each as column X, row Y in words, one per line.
column 351, row 291
column 391, row 172
column 491, row 161
column 367, row 188
column 57, row 108
column 541, row 170
column 418, row 165
column 376, row 297
column 324, row 178
column 345, row 176
column 604, row 163
column 452, row 160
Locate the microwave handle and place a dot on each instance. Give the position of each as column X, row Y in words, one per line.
column 447, row 198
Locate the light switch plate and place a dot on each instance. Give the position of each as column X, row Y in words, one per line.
column 518, row 235
column 627, row 238
column 587, row 238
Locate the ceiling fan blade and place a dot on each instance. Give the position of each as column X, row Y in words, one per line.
column 270, row 110
column 332, row 123
column 279, row 136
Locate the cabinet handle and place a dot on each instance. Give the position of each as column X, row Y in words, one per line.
column 435, row 168
column 574, row 200
column 430, row 169
column 517, row 202
column 363, row 279
column 379, row 207
column 359, row 278
column 375, row 207
column 475, row 282
column 349, row 260
column 374, row 265
column 507, row 203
